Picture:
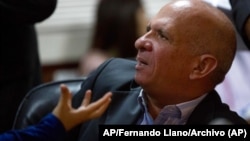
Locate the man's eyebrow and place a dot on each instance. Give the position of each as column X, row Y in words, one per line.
column 161, row 31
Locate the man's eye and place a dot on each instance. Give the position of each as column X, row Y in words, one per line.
column 162, row 36
column 148, row 28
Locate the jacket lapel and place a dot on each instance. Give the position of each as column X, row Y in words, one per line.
column 124, row 108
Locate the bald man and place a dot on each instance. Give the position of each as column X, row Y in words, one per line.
column 186, row 52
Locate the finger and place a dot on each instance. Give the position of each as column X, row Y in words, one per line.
column 65, row 95
column 87, row 97
column 92, row 110
column 101, row 109
column 101, row 102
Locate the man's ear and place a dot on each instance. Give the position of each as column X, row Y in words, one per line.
column 203, row 66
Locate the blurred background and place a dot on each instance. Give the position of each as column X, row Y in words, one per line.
column 65, row 36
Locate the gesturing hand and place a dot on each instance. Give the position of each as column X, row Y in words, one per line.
column 71, row 117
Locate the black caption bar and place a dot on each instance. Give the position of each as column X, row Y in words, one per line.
column 163, row 132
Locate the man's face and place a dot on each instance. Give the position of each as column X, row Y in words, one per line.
column 163, row 57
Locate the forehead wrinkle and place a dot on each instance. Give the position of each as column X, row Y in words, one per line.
column 162, row 23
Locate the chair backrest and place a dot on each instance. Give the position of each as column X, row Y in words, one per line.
column 41, row 100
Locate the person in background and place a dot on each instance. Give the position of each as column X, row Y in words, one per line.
column 118, row 24
column 180, row 60
column 20, row 68
column 241, row 17
column 234, row 90
column 55, row 125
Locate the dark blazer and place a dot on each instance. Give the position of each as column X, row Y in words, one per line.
column 116, row 75
column 241, row 44
column 241, row 12
column 19, row 56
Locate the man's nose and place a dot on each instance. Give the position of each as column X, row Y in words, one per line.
column 143, row 43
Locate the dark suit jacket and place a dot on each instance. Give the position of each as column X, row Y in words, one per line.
column 19, row 57
column 117, row 75
column 241, row 43
column 241, row 12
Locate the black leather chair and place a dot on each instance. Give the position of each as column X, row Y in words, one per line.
column 41, row 100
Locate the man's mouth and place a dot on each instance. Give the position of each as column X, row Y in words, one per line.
column 141, row 61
